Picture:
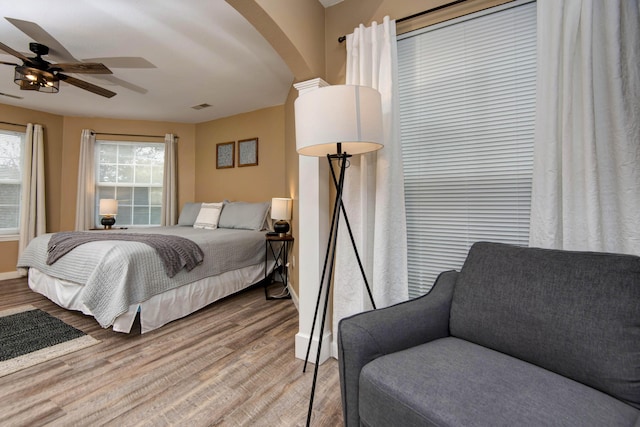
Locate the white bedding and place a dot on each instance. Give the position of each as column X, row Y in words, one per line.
column 112, row 280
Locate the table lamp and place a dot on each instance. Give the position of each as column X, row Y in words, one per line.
column 281, row 211
column 108, row 211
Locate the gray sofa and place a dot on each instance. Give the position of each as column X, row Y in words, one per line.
column 518, row 337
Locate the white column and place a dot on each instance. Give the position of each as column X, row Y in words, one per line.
column 314, row 221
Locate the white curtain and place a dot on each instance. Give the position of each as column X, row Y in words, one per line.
column 169, row 187
column 85, row 200
column 32, row 208
column 586, row 183
column 374, row 187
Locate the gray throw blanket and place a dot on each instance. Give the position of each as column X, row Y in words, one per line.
column 174, row 251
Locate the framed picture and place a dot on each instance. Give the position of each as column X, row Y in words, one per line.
column 225, row 155
column 248, row 152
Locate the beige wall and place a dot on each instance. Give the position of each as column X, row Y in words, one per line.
column 295, row 29
column 250, row 183
column 71, row 145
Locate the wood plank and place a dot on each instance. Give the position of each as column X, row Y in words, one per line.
column 230, row 364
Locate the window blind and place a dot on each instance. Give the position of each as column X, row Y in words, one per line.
column 467, row 109
column 11, row 168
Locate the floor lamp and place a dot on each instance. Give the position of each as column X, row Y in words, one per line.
column 336, row 122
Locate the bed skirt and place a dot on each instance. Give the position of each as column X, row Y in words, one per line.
column 159, row 309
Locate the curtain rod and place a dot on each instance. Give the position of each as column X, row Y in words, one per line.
column 127, row 134
column 415, row 15
column 13, row 124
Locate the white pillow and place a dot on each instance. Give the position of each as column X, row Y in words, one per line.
column 208, row 216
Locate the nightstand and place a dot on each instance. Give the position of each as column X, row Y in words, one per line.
column 279, row 247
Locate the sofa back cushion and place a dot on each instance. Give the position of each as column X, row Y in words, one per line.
column 574, row 313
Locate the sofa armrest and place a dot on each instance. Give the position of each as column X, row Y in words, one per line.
column 367, row 336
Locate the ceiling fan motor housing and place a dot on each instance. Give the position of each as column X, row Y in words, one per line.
column 38, row 49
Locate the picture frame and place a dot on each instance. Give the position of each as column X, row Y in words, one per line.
column 225, row 155
column 248, row 152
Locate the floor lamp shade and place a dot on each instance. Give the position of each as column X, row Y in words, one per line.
column 346, row 114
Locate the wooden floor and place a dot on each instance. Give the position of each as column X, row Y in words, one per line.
column 229, row 364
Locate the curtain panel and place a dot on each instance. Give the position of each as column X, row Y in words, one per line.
column 85, row 199
column 586, row 178
column 373, row 195
column 169, row 211
column 32, row 206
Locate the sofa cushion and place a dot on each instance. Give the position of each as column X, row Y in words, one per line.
column 452, row 382
column 575, row 313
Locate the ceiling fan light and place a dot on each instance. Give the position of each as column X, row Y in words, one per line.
column 29, row 78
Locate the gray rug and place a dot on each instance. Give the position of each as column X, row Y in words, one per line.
column 29, row 336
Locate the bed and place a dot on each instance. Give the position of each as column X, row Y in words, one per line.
column 115, row 280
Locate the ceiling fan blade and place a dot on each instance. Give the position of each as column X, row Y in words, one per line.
column 10, row 96
column 37, row 33
column 83, row 67
column 123, row 62
column 113, row 80
column 8, row 63
column 14, row 52
column 86, row 86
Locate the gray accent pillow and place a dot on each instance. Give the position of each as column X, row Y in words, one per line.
column 189, row 214
column 244, row 215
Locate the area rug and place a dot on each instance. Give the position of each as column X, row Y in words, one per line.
column 29, row 336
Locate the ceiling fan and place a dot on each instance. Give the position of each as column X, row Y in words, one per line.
column 38, row 74
column 44, row 70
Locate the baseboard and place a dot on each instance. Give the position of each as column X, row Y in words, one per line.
column 302, row 342
column 10, row 275
column 294, row 297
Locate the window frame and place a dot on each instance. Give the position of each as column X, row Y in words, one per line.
column 129, row 207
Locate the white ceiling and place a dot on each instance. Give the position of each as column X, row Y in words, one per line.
column 203, row 52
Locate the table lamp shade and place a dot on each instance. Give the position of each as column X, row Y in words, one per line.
column 108, row 207
column 281, row 208
column 346, row 114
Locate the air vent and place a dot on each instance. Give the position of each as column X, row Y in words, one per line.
column 201, row 106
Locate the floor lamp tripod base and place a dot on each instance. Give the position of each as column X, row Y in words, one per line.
column 329, row 264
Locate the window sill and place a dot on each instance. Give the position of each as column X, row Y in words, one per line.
column 9, row 237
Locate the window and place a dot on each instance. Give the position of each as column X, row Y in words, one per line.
column 132, row 173
column 11, row 160
column 467, row 107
